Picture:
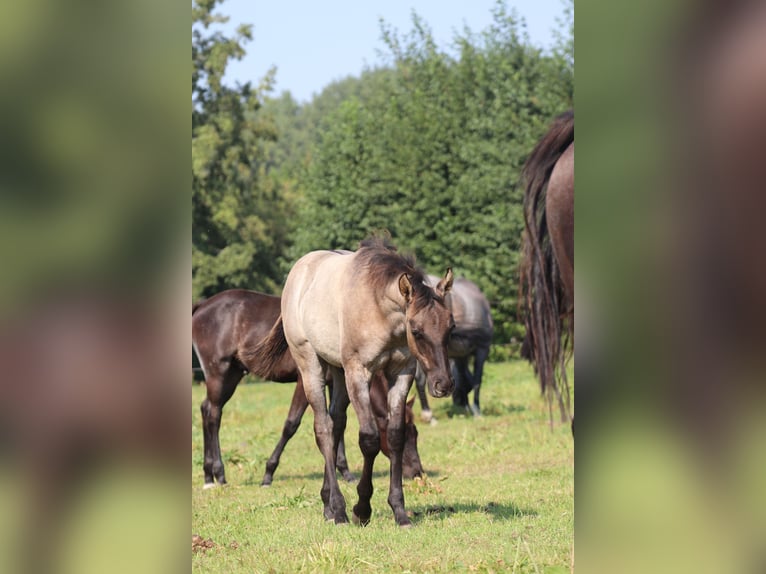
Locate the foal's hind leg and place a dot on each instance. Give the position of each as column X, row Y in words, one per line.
column 339, row 413
column 313, row 385
column 341, row 463
column 220, row 388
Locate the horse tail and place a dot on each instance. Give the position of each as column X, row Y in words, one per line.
column 263, row 358
column 541, row 287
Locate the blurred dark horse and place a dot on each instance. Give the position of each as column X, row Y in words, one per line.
column 233, row 321
column 355, row 314
column 471, row 338
column 89, row 380
column 547, row 267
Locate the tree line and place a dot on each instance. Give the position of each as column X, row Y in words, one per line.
column 428, row 145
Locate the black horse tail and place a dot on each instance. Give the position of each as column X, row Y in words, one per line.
column 262, row 360
column 541, row 288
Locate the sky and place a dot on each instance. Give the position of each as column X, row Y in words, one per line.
column 315, row 43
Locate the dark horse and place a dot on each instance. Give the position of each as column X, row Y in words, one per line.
column 223, row 328
column 547, row 267
column 471, row 338
column 355, row 314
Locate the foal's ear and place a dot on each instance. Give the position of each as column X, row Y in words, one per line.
column 405, row 287
column 446, row 283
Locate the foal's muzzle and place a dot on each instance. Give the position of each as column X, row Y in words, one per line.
column 441, row 386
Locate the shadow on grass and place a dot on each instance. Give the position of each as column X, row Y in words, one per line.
column 381, row 472
column 498, row 511
column 491, row 410
column 256, row 480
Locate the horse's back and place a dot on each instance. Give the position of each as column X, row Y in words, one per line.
column 311, row 303
column 213, row 324
column 470, row 308
column 473, row 308
column 232, row 320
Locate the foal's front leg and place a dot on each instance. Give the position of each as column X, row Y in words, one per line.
column 397, row 398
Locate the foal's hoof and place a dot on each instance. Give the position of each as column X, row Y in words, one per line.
column 209, row 485
column 348, row 477
column 407, row 524
column 358, row 521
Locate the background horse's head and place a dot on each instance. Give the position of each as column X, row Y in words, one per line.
column 429, row 323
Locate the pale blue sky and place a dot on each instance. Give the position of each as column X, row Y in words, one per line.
column 314, row 43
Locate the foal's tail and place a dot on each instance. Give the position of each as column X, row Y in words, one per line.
column 263, row 359
column 541, row 288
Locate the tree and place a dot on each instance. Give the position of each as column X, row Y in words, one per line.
column 433, row 154
column 239, row 213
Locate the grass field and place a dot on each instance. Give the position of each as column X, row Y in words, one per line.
column 498, row 495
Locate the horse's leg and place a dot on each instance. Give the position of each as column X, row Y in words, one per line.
column 298, row 407
column 358, row 385
column 480, row 357
column 341, row 464
column 338, row 412
column 220, row 388
column 463, row 382
column 314, row 387
column 397, row 399
column 420, row 384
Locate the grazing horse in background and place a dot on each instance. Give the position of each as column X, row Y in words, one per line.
column 223, row 328
column 547, row 267
column 472, row 337
column 354, row 314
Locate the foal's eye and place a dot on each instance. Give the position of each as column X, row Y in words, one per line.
column 417, row 333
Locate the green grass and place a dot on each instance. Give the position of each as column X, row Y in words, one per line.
column 498, row 496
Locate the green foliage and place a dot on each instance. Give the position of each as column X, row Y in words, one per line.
column 428, row 145
column 434, row 154
column 239, row 213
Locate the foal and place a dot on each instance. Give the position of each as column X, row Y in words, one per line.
column 355, row 314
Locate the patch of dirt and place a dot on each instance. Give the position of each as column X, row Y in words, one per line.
column 200, row 544
column 423, row 485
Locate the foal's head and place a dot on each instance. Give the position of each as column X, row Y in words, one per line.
column 429, row 324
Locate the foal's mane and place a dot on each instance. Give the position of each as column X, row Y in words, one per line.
column 378, row 263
